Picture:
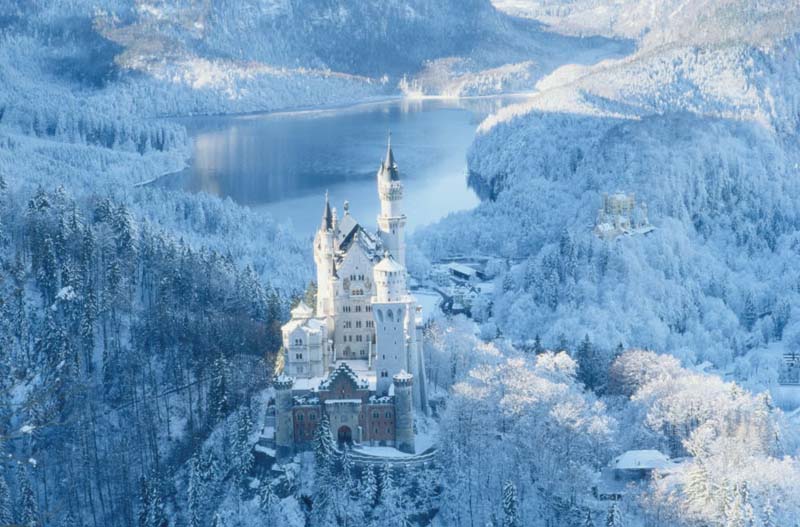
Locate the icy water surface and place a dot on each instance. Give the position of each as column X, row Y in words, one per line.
column 284, row 162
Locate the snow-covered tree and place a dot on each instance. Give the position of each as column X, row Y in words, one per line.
column 5, row 502
column 28, row 508
column 510, row 508
column 614, row 517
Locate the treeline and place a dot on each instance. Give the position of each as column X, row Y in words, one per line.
column 120, row 350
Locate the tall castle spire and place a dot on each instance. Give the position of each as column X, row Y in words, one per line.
column 391, row 221
column 327, row 215
column 388, row 169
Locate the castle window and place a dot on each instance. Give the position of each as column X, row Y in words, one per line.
column 358, row 323
column 384, row 373
column 358, row 309
column 298, row 342
column 375, row 415
column 370, row 323
column 390, row 314
column 380, row 315
column 358, row 338
column 347, row 323
column 299, row 417
column 298, row 356
column 388, row 415
column 313, row 417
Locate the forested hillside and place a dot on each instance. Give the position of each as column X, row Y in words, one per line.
column 122, row 349
column 705, row 135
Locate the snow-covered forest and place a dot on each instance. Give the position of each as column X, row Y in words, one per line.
column 140, row 326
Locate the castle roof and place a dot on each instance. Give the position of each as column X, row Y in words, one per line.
column 309, row 324
column 344, row 370
column 388, row 168
column 357, row 235
column 389, row 265
column 327, row 215
column 302, row 311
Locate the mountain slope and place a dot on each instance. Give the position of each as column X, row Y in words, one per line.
column 706, row 135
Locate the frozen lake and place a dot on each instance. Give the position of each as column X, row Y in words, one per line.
column 283, row 163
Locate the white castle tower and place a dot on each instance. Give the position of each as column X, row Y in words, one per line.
column 393, row 310
column 391, row 221
column 324, row 252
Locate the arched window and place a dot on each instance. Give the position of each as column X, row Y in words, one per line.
column 390, row 314
column 380, row 315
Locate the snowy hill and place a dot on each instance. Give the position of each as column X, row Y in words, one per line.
column 705, row 134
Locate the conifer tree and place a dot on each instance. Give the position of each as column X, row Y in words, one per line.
column 614, row 517
column 369, row 485
column 267, row 499
column 218, row 395
column 29, row 511
column 749, row 315
column 193, row 491
column 5, row 502
column 768, row 514
column 510, row 512
column 537, row 345
column 242, row 451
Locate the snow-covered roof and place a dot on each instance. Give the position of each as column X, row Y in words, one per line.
column 311, row 325
column 641, row 460
column 461, row 268
column 403, row 375
column 302, row 311
column 357, row 235
column 343, row 369
column 389, row 265
column 343, row 401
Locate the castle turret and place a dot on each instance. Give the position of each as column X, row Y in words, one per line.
column 391, row 221
column 403, row 411
column 390, row 307
column 323, row 257
column 284, row 419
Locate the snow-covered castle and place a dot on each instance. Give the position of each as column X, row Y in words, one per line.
column 356, row 356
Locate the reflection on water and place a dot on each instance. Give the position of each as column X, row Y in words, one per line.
column 284, row 162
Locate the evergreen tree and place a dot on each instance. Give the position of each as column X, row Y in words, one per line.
column 537, row 345
column 29, row 511
column 369, row 486
column 267, row 500
column 193, row 491
column 323, row 442
column 590, row 366
column 698, row 490
column 68, row 521
column 768, row 514
column 749, row 314
column 510, row 507
column 614, row 518
column 242, row 449
column 780, row 318
column 5, row 502
column 218, row 394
